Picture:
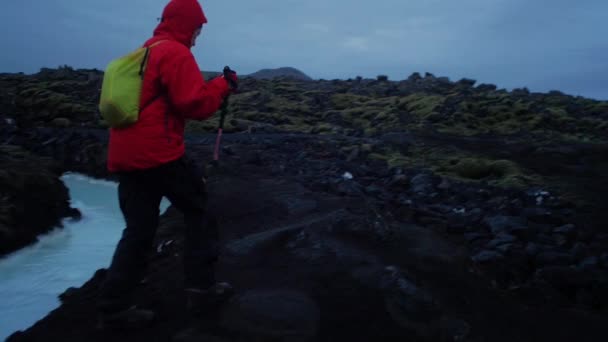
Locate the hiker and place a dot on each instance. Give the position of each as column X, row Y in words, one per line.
column 148, row 158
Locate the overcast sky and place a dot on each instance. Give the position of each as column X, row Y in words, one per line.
column 541, row 44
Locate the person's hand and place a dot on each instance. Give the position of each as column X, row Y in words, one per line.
column 230, row 76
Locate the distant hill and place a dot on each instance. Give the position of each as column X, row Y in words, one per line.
column 208, row 75
column 280, row 72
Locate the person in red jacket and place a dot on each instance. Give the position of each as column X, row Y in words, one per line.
column 148, row 158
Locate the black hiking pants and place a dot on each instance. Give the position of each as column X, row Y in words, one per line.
column 140, row 194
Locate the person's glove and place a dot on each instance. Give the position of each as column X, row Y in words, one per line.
column 230, row 76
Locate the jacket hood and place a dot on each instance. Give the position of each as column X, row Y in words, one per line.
column 180, row 19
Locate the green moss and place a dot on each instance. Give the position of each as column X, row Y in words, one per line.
column 392, row 158
column 422, row 105
column 497, row 172
column 366, row 147
column 344, row 101
column 370, row 131
column 323, row 128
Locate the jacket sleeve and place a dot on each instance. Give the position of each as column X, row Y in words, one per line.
column 188, row 92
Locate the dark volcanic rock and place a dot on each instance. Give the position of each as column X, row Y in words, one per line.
column 272, row 314
column 366, row 173
column 33, row 200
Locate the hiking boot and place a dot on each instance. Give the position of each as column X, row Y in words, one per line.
column 207, row 300
column 131, row 318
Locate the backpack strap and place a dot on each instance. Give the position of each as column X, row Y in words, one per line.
column 142, row 71
column 145, row 60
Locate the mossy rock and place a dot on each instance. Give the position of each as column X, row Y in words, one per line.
column 392, row 159
column 422, row 105
column 497, row 172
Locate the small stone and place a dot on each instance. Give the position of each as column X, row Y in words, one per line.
column 460, row 211
column 347, row 176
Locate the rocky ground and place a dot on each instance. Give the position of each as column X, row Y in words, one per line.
column 372, row 210
column 33, row 200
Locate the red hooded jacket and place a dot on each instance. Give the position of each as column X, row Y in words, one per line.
column 173, row 90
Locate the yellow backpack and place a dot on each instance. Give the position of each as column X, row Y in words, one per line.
column 121, row 88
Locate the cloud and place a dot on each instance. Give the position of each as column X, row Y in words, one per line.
column 357, row 43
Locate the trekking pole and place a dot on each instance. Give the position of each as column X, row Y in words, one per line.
column 224, row 112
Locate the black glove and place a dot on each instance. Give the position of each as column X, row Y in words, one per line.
column 230, row 76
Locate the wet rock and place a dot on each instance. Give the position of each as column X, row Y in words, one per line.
column 74, row 214
column 68, row 293
column 505, row 224
column 280, row 314
column 33, row 199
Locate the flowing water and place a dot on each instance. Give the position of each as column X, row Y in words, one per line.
column 33, row 277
